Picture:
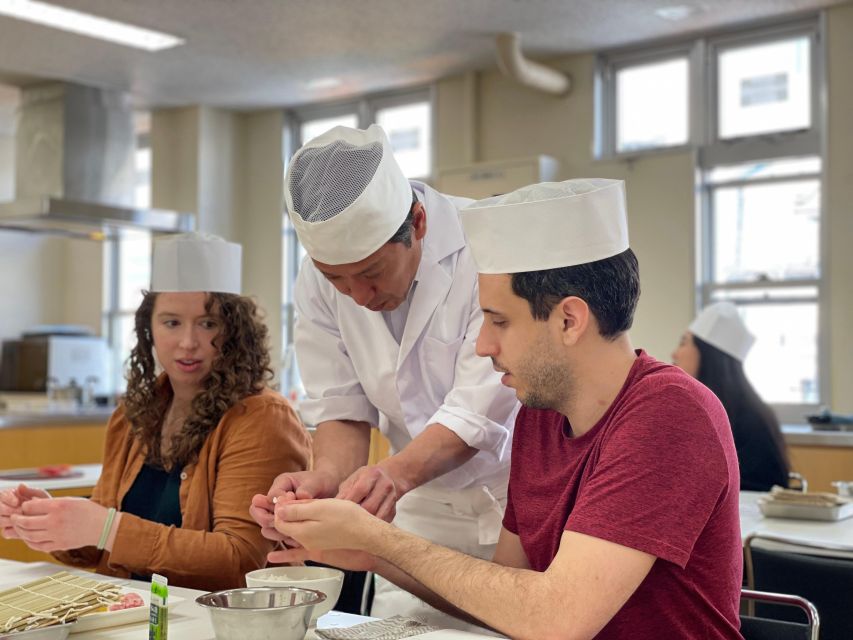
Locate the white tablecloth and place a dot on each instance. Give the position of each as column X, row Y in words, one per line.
column 816, row 531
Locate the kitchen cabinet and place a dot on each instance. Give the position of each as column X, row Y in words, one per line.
column 821, row 465
column 34, row 445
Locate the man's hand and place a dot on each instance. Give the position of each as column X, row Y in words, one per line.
column 374, row 489
column 286, row 487
column 345, row 559
column 321, row 525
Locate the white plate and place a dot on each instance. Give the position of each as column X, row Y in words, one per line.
column 104, row 619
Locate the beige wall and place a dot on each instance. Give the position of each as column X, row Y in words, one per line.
column 258, row 215
column 513, row 121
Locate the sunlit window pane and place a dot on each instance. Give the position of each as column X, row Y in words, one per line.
column 313, row 128
column 766, row 231
column 652, row 105
column 410, row 133
column 764, row 88
column 782, row 364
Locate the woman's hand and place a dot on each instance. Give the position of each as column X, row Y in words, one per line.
column 10, row 504
column 59, row 523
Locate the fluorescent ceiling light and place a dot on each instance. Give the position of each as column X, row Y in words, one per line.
column 88, row 25
column 677, row 12
column 323, row 83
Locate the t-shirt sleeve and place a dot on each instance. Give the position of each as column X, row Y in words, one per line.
column 659, row 476
column 509, row 513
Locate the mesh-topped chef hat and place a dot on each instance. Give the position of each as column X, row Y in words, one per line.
column 195, row 262
column 720, row 325
column 345, row 194
column 548, row 225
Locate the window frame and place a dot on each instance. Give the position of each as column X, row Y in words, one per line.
column 710, row 151
column 607, row 67
column 799, row 143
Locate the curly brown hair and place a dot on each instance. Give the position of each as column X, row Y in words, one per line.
column 240, row 369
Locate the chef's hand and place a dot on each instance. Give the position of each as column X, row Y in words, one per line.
column 10, row 504
column 375, row 489
column 299, row 485
column 323, row 525
column 346, row 559
column 60, row 523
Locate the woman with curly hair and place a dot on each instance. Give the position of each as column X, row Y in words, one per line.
column 186, row 449
column 712, row 350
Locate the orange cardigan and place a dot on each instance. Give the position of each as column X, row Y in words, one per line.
column 218, row 541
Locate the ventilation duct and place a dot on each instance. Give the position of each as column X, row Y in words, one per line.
column 514, row 65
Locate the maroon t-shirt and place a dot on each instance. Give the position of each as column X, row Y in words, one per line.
column 657, row 473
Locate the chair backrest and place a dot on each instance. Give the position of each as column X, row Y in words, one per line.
column 825, row 581
column 757, row 628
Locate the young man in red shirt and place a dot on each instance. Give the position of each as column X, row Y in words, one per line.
column 622, row 519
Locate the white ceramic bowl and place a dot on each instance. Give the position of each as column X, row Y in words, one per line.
column 323, row 579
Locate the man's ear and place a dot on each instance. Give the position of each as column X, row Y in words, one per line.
column 574, row 316
column 419, row 220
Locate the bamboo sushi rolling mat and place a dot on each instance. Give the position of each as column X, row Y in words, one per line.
column 61, row 597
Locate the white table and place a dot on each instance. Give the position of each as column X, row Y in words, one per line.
column 187, row 621
column 815, row 531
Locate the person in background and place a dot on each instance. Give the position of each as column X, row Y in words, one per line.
column 712, row 350
column 623, row 511
column 185, row 450
column 387, row 319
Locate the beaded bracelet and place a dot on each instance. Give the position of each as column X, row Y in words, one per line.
column 108, row 525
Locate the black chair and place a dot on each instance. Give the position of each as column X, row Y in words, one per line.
column 806, row 569
column 755, row 628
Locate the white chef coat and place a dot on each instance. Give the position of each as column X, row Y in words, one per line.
column 354, row 369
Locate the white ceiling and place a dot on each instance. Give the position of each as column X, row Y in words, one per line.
column 261, row 53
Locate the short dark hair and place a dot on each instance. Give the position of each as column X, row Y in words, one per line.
column 404, row 233
column 611, row 288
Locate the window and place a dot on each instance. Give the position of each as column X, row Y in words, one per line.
column 644, row 101
column 761, row 182
column 651, row 105
column 313, row 128
column 747, row 103
column 409, row 131
column 763, row 241
column 764, row 88
column 407, row 119
column 129, row 262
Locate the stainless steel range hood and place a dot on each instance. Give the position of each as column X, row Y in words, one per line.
column 74, row 167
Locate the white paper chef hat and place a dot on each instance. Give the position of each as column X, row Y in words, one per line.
column 548, row 225
column 346, row 194
column 720, row 325
column 195, row 262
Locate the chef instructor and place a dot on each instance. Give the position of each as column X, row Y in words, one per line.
column 387, row 321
